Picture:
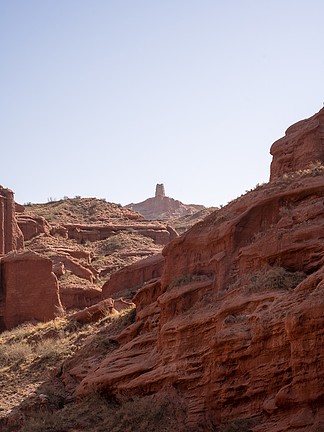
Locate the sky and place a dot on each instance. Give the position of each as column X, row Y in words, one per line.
column 107, row 98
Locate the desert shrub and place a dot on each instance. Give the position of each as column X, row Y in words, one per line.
column 274, row 278
column 14, row 352
column 313, row 169
column 46, row 422
column 100, row 414
column 182, row 280
column 239, row 425
column 18, row 333
column 186, row 279
column 120, row 241
column 52, row 349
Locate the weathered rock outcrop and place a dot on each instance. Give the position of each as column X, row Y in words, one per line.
column 235, row 324
column 100, row 310
column 32, row 226
column 89, row 239
column 10, row 235
column 29, row 289
column 302, row 146
column 163, row 207
column 74, row 267
column 79, row 296
column 95, row 312
column 159, row 232
column 130, row 278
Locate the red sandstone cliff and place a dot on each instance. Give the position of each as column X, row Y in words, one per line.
column 233, row 328
column 235, row 324
column 29, row 289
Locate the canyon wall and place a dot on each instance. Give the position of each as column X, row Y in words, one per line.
column 235, row 324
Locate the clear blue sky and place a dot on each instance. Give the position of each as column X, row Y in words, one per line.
column 106, row 98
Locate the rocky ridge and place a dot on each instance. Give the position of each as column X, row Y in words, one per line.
column 163, row 207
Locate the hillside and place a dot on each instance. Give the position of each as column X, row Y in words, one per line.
column 81, row 210
column 162, row 207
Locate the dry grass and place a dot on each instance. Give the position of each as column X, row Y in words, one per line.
column 31, row 354
column 79, row 210
column 123, row 240
column 52, row 342
column 28, row 342
column 239, row 425
column 273, row 278
column 98, row 414
column 313, row 169
column 14, row 352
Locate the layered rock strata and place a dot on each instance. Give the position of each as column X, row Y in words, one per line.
column 302, row 145
column 235, row 324
column 160, row 233
column 127, row 280
column 32, row 226
column 29, row 289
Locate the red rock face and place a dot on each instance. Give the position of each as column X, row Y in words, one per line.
column 302, row 145
column 10, row 235
column 235, row 325
column 32, row 226
column 79, row 297
column 132, row 277
column 29, row 289
column 159, row 232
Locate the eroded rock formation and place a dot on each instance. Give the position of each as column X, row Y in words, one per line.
column 235, row 324
column 127, row 280
column 32, row 226
column 160, row 233
column 302, row 146
column 163, row 207
column 29, row 289
column 88, row 239
column 10, row 235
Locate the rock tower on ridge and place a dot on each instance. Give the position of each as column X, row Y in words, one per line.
column 159, row 190
column 163, row 207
